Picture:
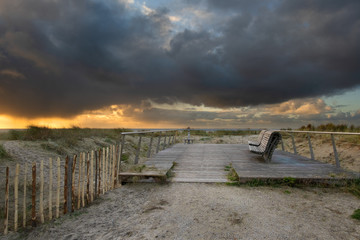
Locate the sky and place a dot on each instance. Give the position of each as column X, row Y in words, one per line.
column 179, row 63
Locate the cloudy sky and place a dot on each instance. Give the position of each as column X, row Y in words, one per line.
column 179, row 63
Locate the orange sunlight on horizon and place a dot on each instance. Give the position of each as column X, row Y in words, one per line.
column 82, row 120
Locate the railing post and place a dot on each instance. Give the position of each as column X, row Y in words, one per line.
column 282, row 144
column 335, row 151
column 158, row 144
column 310, row 147
column 150, row 145
column 293, row 142
column 138, row 151
column 169, row 141
column 121, row 151
column 164, row 143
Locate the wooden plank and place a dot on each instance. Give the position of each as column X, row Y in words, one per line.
column 203, row 161
column 145, row 174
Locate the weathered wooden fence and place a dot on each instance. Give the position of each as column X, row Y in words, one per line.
column 32, row 197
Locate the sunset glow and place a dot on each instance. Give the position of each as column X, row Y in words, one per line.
column 172, row 64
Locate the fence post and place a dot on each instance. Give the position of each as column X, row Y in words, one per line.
column 293, row 142
column 6, row 222
column 310, row 147
column 138, row 151
column 24, row 201
column 41, row 209
column 58, row 189
column 83, row 180
column 158, row 144
column 110, row 166
column 150, row 145
column 65, row 183
column 50, row 187
column 99, row 184
column 282, row 144
column 16, row 196
column 114, row 166
column 73, row 184
column 335, row 151
column 117, row 148
column 103, row 171
column 33, row 196
column 88, row 178
column 106, row 179
column 69, row 185
column 96, row 174
column 79, row 182
column 92, row 176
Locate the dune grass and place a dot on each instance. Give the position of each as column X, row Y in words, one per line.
column 69, row 135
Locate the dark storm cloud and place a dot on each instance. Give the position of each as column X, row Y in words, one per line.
column 59, row 58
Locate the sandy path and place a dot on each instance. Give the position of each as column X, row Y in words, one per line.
column 209, row 211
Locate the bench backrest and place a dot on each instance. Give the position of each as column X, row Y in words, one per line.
column 269, row 142
column 261, row 135
column 275, row 139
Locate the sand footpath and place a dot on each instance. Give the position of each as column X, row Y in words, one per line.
column 209, row 211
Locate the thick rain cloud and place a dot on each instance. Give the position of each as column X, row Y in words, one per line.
column 60, row 58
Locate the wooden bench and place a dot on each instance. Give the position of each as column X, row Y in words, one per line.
column 269, row 141
column 257, row 143
column 188, row 140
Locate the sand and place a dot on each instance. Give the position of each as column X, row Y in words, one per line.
column 208, row 211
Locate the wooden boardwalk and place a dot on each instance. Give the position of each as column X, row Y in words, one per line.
column 206, row 162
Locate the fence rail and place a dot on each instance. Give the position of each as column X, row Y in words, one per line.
column 308, row 134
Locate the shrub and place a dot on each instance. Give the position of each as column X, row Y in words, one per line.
column 356, row 214
column 3, row 152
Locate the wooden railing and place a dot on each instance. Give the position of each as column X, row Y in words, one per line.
column 308, row 135
column 170, row 134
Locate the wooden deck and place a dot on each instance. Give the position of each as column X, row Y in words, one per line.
column 206, row 162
